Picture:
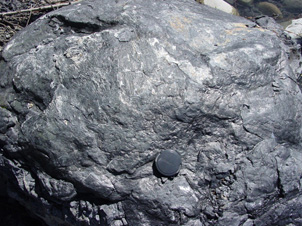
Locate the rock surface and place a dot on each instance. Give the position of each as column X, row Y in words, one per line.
column 91, row 93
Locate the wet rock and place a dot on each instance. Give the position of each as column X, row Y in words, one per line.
column 294, row 30
column 92, row 93
column 247, row 2
column 221, row 5
column 270, row 9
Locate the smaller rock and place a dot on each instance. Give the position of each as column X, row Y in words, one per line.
column 269, row 23
column 270, row 9
column 7, row 120
column 294, row 30
column 221, row 5
column 56, row 189
column 286, row 23
column 209, row 212
column 289, row 172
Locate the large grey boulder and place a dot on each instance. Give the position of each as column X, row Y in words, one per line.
column 91, row 93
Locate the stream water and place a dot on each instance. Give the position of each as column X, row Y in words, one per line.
column 290, row 9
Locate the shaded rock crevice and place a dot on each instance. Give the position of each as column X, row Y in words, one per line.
column 67, row 27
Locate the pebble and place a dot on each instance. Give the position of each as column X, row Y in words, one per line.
column 294, row 30
column 270, row 9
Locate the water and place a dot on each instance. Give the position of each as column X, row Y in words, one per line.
column 290, row 9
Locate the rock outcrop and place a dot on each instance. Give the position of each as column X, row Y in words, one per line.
column 91, row 93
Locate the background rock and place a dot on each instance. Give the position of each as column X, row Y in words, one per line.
column 91, row 93
column 270, row 9
column 220, row 5
column 294, row 30
column 293, row 5
column 247, row 2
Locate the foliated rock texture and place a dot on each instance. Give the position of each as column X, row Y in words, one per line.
column 91, row 93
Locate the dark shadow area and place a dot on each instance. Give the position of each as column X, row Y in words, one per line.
column 155, row 171
column 13, row 214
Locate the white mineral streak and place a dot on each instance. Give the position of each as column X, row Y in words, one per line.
column 59, row 103
column 185, row 188
column 9, row 45
column 198, row 74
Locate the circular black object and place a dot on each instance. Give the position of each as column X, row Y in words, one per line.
column 168, row 163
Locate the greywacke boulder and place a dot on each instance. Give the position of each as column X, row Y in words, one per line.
column 91, row 93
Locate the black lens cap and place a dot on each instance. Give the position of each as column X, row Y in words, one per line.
column 168, row 163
